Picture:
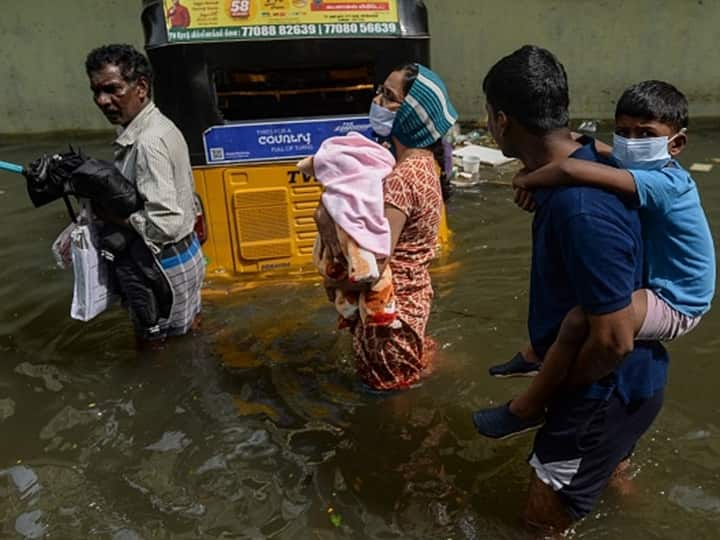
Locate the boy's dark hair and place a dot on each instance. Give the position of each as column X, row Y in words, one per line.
column 132, row 63
column 530, row 85
column 655, row 100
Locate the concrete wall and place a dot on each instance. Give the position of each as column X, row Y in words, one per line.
column 44, row 44
column 604, row 44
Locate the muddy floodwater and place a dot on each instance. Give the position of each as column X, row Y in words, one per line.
column 256, row 427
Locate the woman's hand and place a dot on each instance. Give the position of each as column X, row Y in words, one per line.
column 524, row 199
column 345, row 285
column 327, row 232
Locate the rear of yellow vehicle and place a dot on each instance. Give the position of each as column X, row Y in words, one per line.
column 261, row 86
column 260, row 217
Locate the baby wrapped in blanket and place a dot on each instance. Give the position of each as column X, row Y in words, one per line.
column 352, row 168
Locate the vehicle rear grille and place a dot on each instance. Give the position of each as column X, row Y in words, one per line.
column 263, row 228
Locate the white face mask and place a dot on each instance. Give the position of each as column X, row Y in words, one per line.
column 381, row 119
column 648, row 153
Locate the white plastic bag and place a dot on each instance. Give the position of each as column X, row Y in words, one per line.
column 93, row 289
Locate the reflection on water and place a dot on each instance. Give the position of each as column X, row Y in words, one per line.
column 256, row 427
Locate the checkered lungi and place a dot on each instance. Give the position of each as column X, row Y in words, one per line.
column 184, row 266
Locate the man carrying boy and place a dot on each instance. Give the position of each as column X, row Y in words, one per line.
column 651, row 119
column 587, row 251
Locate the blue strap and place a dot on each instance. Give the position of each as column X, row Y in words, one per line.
column 182, row 258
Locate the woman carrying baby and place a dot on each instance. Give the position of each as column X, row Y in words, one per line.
column 412, row 112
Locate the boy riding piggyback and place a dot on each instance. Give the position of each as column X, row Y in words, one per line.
column 651, row 122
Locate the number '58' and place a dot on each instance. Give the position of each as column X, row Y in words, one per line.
column 239, row 8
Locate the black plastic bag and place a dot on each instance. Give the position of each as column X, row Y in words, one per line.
column 48, row 177
column 142, row 284
column 107, row 188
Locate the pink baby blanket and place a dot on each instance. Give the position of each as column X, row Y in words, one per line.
column 352, row 169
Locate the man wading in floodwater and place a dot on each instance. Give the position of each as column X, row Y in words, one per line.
column 151, row 152
column 587, row 251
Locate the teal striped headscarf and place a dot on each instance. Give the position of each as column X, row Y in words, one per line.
column 426, row 114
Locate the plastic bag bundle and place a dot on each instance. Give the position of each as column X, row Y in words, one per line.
column 102, row 183
column 48, row 178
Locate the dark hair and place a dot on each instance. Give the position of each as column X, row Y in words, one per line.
column 655, row 100
column 410, row 73
column 438, row 150
column 132, row 63
column 530, row 85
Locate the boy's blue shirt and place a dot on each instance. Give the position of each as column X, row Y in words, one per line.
column 679, row 250
column 588, row 251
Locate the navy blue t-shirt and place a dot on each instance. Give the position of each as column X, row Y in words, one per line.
column 588, row 251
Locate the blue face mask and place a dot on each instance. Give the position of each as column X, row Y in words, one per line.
column 381, row 119
column 648, row 153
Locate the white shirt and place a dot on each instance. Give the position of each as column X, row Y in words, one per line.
column 152, row 153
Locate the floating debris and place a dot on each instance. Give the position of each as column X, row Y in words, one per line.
column 465, row 180
column 7, row 408
column 588, row 126
column 29, row 524
column 701, row 167
column 694, row 498
column 470, row 137
column 698, row 435
column 335, row 518
column 51, row 375
column 471, row 163
column 486, row 155
column 171, row 441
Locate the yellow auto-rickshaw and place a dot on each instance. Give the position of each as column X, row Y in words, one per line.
column 255, row 85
